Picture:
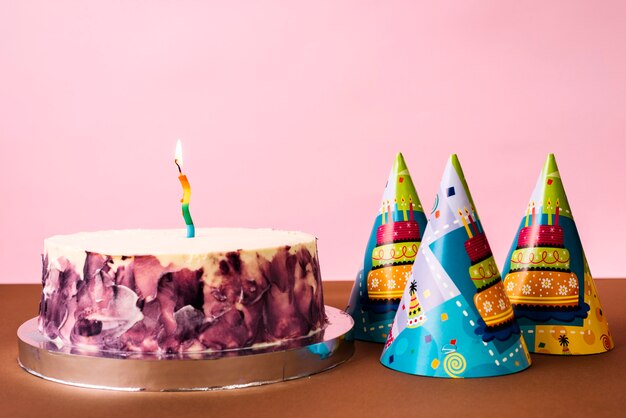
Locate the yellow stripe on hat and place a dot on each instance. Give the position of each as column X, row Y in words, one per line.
column 385, row 294
column 544, row 299
column 499, row 317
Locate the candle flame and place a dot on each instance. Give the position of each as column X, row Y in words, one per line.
column 557, row 202
column 178, row 156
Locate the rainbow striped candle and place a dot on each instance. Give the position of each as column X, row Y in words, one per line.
column 178, row 160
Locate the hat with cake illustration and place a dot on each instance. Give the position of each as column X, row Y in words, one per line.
column 454, row 319
column 547, row 278
column 389, row 256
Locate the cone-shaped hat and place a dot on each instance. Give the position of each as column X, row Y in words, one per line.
column 547, row 278
column 454, row 319
column 389, row 255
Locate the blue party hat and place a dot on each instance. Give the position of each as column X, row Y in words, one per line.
column 454, row 319
column 389, row 255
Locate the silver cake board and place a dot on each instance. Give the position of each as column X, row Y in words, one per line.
column 202, row 371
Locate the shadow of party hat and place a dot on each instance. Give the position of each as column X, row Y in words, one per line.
column 389, row 255
column 454, row 319
column 547, row 278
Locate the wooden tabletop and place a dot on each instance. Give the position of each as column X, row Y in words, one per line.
column 586, row 386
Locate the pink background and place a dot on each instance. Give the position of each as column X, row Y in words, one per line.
column 291, row 114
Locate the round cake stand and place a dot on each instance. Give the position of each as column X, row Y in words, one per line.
column 197, row 371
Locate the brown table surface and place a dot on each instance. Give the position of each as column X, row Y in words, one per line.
column 554, row 386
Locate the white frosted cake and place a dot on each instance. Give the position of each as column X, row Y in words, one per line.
column 156, row 291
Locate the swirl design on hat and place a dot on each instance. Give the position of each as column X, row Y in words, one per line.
column 606, row 342
column 454, row 365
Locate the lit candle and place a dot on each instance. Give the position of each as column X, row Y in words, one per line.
column 178, row 160
column 411, row 207
column 396, row 207
column 479, row 226
column 404, row 209
column 556, row 216
column 532, row 216
column 473, row 225
column 527, row 214
column 549, row 211
column 382, row 211
column 467, row 229
column 389, row 214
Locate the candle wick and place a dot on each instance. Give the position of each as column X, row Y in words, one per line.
column 177, row 165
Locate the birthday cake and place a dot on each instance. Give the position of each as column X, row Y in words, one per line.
column 156, row 291
column 397, row 243
column 490, row 299
column 540, row 274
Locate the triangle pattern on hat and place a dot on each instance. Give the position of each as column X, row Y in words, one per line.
column 389, row 255
column 547, row 278
column 455, row 319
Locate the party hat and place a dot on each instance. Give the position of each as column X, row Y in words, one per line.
column 547, row 278
column 389, row 255
column 454, row 319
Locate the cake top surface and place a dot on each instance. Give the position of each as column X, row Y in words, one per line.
column 174, row 241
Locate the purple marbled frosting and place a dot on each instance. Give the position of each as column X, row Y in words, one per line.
column 135, row 304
